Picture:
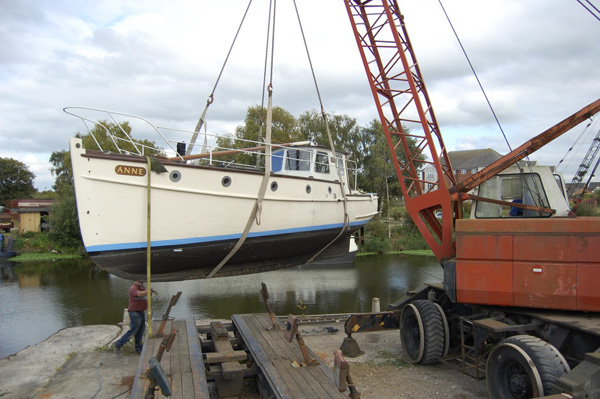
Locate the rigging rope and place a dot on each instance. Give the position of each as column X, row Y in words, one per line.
column 257, row 208
column 528, row 162
column 211, row 96
column 590, row 11
column 476, row 76
column 346, row 223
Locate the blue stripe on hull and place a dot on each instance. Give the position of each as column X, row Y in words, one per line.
column 196, row 240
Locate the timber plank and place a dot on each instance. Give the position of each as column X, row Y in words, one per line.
column 274, row 355
column 196, row 370
column 301, row 386
column 306, row 376
column 175, row 359
column 183, row 364
column 280, row 360
column 261, row 353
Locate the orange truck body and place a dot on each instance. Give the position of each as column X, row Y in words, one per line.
column 551, row 263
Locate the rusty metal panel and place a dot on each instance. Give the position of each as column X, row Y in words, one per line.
column 588, row 292
column 556, row 262
column 588, row 248
column 490, row 247
column 484, row 282
column 545, row 285
column 554, row 247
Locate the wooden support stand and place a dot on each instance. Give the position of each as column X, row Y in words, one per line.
column 224, row 363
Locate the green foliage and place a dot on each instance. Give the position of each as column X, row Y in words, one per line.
column 587, row 210
column 16, row 180
column 64, row 222
column 42, row 257
column 61, row 168
column 302, row 307
column 106, row 134
column 284, row 130
column 385, row 358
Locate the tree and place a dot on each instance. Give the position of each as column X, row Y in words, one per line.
column 16, row 180
column 107, row 135
column 63, row 218
column 284, row 129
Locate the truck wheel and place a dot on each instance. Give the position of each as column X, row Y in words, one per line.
column 423, row 332
column 523, row 366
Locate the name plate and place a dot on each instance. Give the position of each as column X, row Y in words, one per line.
column 130, row 170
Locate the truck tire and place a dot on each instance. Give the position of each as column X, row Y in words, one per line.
column 523, row 366
column 423, row 332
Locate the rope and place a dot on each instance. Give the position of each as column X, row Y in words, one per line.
column 589, row 10
column 149, row 247
column 257, row 209
column 211, row 96
column 329, row 137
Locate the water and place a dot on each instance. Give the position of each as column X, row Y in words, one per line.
column 38, row 299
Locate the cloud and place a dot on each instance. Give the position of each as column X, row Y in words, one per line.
column 537, row 61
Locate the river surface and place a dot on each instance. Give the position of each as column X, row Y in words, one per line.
column 37, row 299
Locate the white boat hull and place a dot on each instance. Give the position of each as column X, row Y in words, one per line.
column 198, row 213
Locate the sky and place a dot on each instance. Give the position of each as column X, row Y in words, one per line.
column 538, row 60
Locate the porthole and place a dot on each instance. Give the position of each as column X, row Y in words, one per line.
column 226, row 181
column 274, row 186
column 308, row 189
column 175, row 176
column 329, row 190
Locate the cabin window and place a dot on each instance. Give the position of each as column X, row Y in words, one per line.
column 473, row 171
column 517, row 188
column 298, row 160
column 322, row 162
column 277, row 160
column 340, row 164
column 463, row 171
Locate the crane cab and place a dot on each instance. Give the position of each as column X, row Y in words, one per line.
column 507, row 256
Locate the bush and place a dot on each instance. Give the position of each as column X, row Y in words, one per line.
column 377, row 245
column 587, row 210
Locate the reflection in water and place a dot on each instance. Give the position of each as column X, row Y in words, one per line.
column 40, row 298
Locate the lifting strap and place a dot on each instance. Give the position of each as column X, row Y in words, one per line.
column 257, row 209
column 341, row 183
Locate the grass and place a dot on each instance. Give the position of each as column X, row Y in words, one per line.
column 41, row 257
column 126, row 350
column 420, row 252
column 390, row 359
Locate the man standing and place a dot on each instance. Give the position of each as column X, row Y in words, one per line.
column 138, row 303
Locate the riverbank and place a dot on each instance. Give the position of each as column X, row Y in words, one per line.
column 74, row 363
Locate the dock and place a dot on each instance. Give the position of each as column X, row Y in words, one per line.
column 213, row 361
column 183, row 363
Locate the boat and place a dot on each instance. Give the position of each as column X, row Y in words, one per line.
column 206, row 215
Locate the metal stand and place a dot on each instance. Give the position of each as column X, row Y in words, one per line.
column 350, row 347
column 165, row 317
column 265, row 296
column 291, row 332
column 341, row 371
column 156, row 375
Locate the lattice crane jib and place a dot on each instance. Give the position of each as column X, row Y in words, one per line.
column 408, row 120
